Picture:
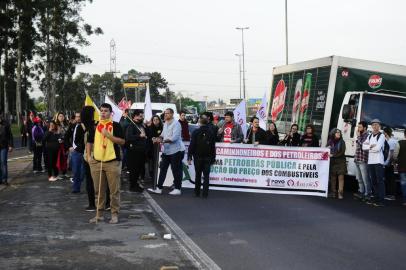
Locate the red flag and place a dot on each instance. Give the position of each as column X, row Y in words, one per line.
column 278, row 100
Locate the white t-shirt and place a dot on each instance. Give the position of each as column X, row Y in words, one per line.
column 375, row 154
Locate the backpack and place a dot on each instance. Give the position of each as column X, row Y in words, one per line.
column 204, row 139
column 386, row 147
column 38, row 134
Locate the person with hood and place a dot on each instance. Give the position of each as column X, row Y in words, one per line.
column 229, row 131
column 338, row 164
column 37, row 135
column 202, row 150
column 6, row 146
column 255, row 135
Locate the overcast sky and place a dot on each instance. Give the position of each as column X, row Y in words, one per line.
column 193, row 43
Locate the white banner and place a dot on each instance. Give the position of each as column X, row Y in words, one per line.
column 117, row 112
column 147, row 106
column 240, row 116
column 261, row 113
column 265, row 169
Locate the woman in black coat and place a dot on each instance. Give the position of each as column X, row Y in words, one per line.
column 154, row 130
column 293, row 137
column 272, row 135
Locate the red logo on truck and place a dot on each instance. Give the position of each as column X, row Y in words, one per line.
column 375, row 81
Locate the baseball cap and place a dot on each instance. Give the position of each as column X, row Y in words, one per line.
column 375, row 121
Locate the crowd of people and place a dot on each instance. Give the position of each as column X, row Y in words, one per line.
column 100, row 151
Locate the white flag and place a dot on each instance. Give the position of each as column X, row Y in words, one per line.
column 147, row 105
column 117, row 112
column 240, row 116
column 261, row 113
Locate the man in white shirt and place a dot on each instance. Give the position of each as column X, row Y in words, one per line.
column 376, row 168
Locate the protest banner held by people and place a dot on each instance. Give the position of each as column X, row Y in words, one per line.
column 136, row 143
column 230, row 131
column 173, row 153
column 202, row 150
column 105, row 164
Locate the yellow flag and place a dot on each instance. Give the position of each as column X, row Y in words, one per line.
column 89, row 102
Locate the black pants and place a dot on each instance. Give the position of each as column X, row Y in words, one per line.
column 136, row 165
column 52, row 156
column 37, row 158
column 390, row 180
column 202, row 165
column 24, row 140
column 175, row 160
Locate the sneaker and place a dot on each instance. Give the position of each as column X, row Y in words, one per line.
column 96, row 219
column 358, row 196
column 90, row 209
column 378, row 204
column 71, row 180
column 42, row 171
column 114, row 219
column 52, row 179
column 175, row 192
column 59, row 178
column 369, row 201
column 35, row 171
column 390, row 198
column 156, row 191
column 107, row 208
column 340, row 195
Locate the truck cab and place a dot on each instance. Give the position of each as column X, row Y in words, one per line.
column 387, row 106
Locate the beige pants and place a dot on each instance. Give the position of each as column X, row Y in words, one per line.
column 106, row 173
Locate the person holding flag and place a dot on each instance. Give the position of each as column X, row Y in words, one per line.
column 105, row 164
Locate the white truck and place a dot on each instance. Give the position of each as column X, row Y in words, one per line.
column 339, row 92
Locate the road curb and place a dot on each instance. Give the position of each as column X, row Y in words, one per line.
column 193, row 251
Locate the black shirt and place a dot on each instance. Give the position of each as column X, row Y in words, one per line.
column 117, row 132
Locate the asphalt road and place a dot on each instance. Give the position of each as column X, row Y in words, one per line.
column 44, row 226
column 263, row 231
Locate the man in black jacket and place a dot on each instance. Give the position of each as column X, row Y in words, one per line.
column 202, row 150
column 6, row 145
column 76, row 143
column 136, row 144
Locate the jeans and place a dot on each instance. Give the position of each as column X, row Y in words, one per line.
column 78, row 170
column 3, row 165
column 202, row 165
column 364, row 184
column 377, row 176
column 403, row 185
column 175, row 160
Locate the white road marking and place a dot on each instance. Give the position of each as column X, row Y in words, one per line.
column 193, row 251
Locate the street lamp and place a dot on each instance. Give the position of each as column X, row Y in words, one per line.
column 239, row 58
column 243, row 56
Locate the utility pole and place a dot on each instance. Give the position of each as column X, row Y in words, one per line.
column 239, row 70
column 243, row 57
column 286, row 31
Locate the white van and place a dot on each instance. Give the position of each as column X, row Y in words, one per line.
column 157, row 108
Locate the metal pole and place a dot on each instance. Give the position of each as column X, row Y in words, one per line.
column 239, row 60
column 286, row 31
column 243, row 62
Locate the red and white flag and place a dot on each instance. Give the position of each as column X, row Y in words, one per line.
column 240, row 116
column 296, row 102
column 124, row 104
column 278, row 100
column 261, row 113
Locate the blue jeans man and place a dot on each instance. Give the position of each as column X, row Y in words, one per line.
column 78, row 171
column 3, row 165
